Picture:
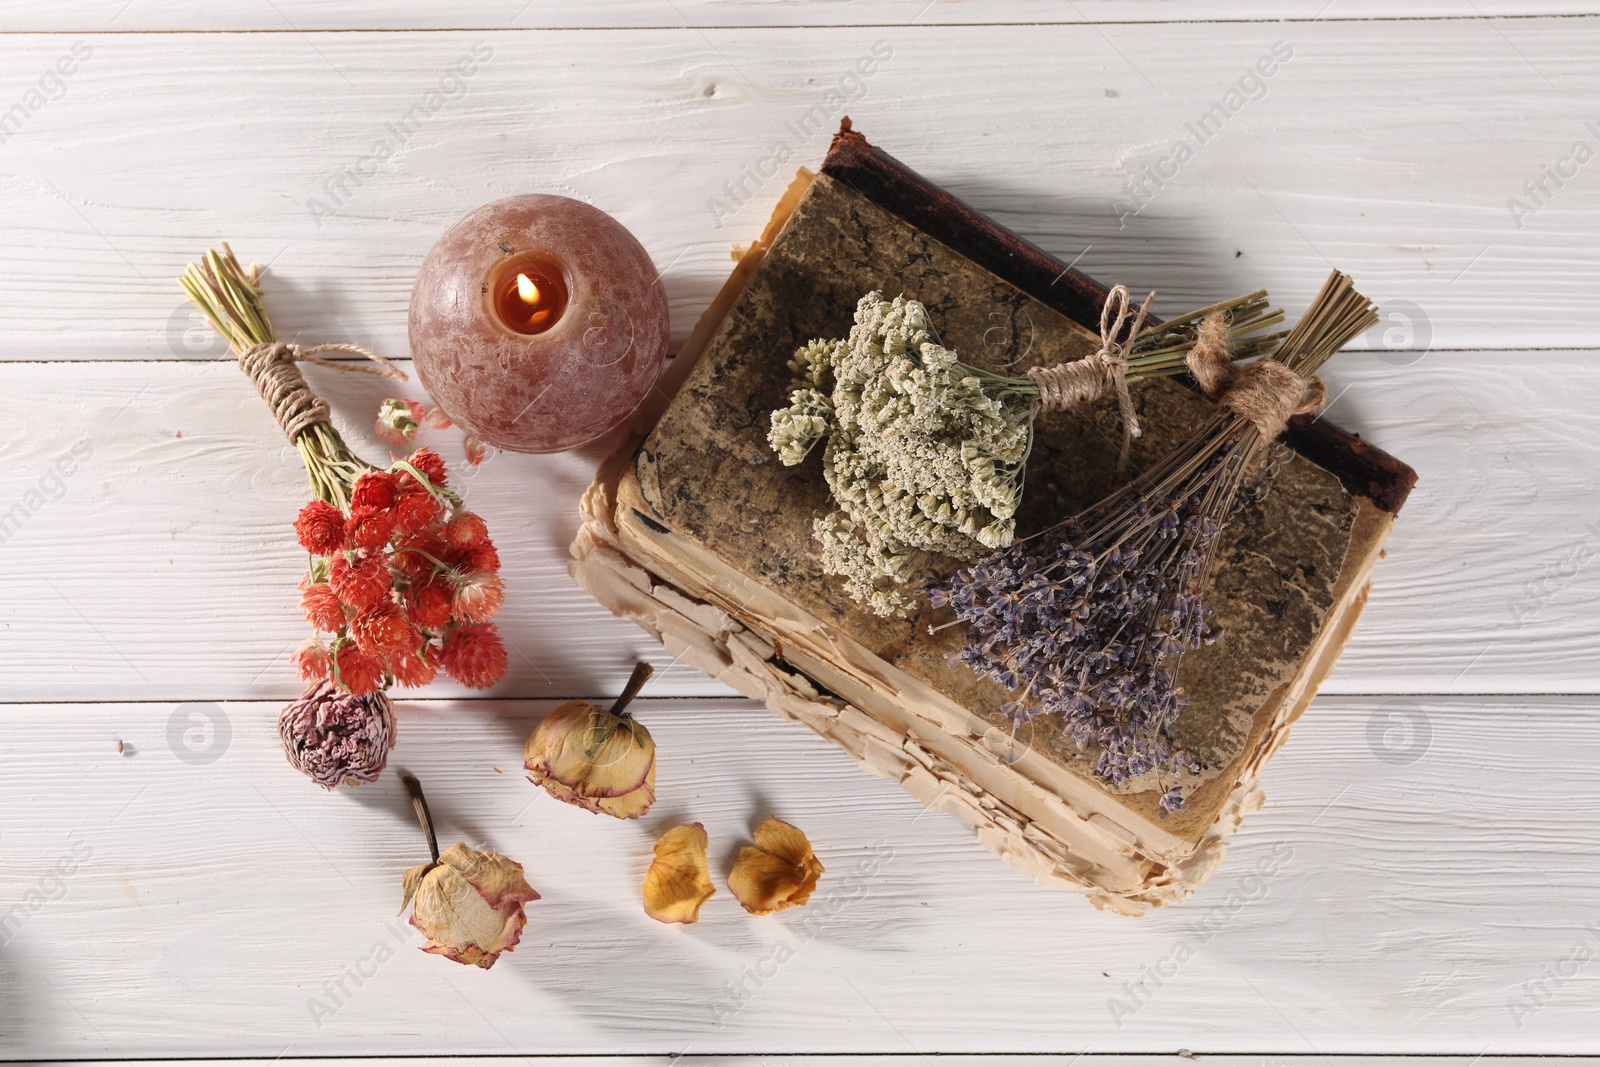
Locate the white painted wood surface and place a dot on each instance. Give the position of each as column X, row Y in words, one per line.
column 1434, row 816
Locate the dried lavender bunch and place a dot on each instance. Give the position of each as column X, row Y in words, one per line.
column 926, row 453
column 1090, row 619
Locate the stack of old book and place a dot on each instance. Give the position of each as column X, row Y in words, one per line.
column 696, row 531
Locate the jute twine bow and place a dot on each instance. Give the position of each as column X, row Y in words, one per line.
column 271, row 366
column 1067, row 385
column 1266, row 392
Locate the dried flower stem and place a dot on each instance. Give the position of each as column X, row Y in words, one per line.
column 641, row 674
column 424, row 816
column 230, row 298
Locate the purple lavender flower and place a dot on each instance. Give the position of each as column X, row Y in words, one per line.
column 1087, row 620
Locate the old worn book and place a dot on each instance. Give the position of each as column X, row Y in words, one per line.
column 694, row 529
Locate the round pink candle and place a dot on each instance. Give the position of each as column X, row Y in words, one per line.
column 538, row 323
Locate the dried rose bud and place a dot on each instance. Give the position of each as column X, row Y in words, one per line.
column 679, row 879
column 779, row 872
column 335, row 738
column 598, row 760
column 467, row 902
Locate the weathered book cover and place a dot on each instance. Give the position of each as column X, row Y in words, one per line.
column 699, row 507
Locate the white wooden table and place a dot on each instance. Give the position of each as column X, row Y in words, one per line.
column 1433, row 821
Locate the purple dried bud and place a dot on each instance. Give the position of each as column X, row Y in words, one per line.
column 334, row 738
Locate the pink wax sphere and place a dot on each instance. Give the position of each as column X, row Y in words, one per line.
column 538, row 323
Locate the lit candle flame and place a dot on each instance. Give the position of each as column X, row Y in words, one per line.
column 527, row 290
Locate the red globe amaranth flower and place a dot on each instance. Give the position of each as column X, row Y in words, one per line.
column 480, row 557
column 412, row 667
column 322, row 606
column 431, row 464
column 466, row 530
column 374, row 489
column 415, row 509
column 431, row 602
column 320, row 528
column 381, row 629
column 334, row 738
column 360, row 584
column 311, row 661
column 478, row 597
column 474, row 655
column 358, row 672
column 370, row 527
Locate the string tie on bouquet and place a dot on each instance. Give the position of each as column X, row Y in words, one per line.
column 1066, row 385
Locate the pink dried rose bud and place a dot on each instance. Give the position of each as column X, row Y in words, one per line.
column 598, row 760
column 335, row 738
column 467, row 902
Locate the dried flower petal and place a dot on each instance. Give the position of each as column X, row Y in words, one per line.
column 779, row 872
column 469, row 905
column 679, row 879
column 586, row 756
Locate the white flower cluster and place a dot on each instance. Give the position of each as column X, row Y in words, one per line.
column 923, row 454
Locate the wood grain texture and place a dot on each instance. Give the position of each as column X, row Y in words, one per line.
column 163, row 568
column 1373, row 904
column 291, row 16
column 164, row 143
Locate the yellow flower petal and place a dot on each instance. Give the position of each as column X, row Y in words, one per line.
column 498, row 879
column 780, row 872
column 679, row 879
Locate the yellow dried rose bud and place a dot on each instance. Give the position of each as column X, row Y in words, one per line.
column 679, row 879
column 601, row 761
column 779, row 872
column 467, row 902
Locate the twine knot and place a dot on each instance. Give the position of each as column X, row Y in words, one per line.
column 1265, row 392
column 271, row 366
column 1067, row 385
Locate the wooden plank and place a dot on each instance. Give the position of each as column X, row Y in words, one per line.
column 163, row 566
column 880, row 1060
column 135, row 169
column 1395, row 894
column 287, row 16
